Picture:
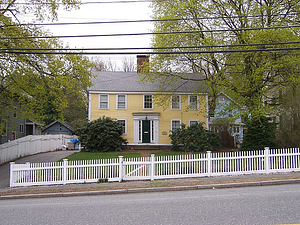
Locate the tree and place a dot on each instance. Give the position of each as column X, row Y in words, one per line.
column 128, row 64
column 101, row 135
column 288, row 134
column 194, row 139
column 260, row 134
column 249, row 33
column 37, row 83
column 101, row 64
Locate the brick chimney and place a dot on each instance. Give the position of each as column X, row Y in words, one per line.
column 142, row 64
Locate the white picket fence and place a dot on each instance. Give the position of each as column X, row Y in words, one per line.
column 151, row 168
column 32, row 144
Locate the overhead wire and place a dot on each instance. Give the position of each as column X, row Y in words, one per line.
column 86, row 3
column 150, row 33
column 151, row 48
column 153, row 53
column 83, row 50
column 133, row 21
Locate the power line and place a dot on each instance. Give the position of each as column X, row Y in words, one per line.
column 86, row 3
column 153, row 53
column 148, row 48
column 151, row 33
column 134, row 21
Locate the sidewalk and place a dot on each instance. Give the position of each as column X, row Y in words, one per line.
column 149, row 186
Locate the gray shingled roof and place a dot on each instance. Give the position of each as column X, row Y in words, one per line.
column 130, row 82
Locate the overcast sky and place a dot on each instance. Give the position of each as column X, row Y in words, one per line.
column 106, row 12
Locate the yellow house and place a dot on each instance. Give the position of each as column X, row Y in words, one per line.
column 121, row 96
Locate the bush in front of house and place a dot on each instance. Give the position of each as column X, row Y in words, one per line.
column 194, row 138
column 260, row 133
column 101, row 135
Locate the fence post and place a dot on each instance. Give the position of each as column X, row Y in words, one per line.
column 209, row 163
column 65, row 163
column 152, row 166
column 120, row 168
column 267, row 159
column 11, row 173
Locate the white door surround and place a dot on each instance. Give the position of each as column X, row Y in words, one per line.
column 154, row 126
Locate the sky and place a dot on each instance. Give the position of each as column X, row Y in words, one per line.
column 105, row 12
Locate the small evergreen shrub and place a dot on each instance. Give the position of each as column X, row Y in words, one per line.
column 260, row 133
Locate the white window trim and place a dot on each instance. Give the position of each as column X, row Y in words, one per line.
column 190, row 105
column 21, row 128
column 117, row 101
column 125, row 125
column 179, row 102
column 144, row 102
column 193, row 121
column 172, row 123
column 107, row 101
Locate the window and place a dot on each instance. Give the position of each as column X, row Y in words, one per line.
column 193, row 102
column 193, row 122
column 123, row 123
column 103, row 101
column 175, row 124
column 148, row 102
column 4, row 132
column 175, row 102
column 21, row 128
column 235, row 129
column 15, row 112
column 121, row 101
column 221, row 99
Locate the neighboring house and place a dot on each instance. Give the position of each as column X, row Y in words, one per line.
column 235, row 127
column 18, row 128
column 58, row 127
column 121, row 96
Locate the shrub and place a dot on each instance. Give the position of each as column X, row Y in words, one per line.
column 101, row 135
column 194, row 139
column 260, row 133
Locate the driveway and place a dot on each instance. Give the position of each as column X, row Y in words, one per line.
column 42, row 157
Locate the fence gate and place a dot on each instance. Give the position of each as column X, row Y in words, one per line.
column 137, row 168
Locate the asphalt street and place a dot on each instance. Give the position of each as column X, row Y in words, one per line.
column 277, row 204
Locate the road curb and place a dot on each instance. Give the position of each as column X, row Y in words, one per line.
column 156, row 189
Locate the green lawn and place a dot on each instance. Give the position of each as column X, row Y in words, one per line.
column 100, row 155
column 167, row 153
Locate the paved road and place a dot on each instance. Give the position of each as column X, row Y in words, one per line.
column 42, row 157
column 253, row 205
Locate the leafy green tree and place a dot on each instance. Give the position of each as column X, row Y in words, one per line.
column 101, row 135
column 259, row 134
column 288, row 134
column 194, row 139
column 250, row 33
column 37, row 83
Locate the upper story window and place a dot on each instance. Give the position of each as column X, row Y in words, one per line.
column 103, row 101
column 175, row 102
column 21, row 128
column 221, row 99
column 121, row 101
column 148, row 102
column 193, row 102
